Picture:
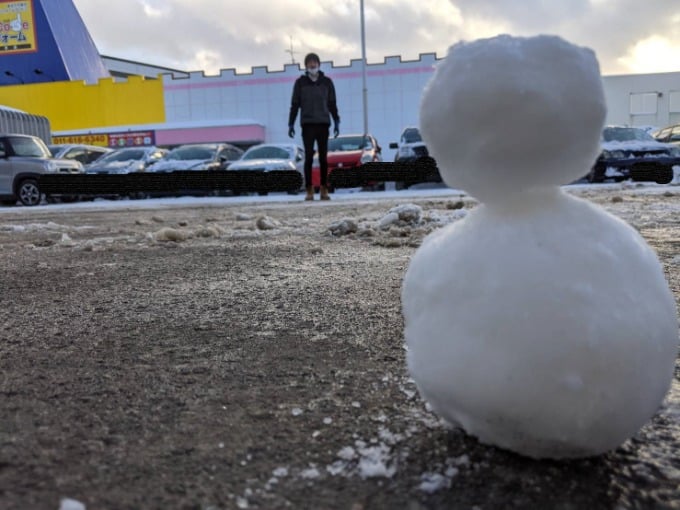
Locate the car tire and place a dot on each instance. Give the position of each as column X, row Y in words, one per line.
column 28, row 192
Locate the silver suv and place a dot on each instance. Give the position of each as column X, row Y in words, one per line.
column 23, row 158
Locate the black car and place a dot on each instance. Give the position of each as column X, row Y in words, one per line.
column 632, row 153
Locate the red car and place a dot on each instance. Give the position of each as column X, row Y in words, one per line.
column 347, row 151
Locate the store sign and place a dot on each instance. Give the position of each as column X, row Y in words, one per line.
column 17, row 27
column 112, row 140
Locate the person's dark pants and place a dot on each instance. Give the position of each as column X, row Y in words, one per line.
column 316, row 133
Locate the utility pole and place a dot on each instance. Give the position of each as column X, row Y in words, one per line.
column 291, row 52
column 363, row 70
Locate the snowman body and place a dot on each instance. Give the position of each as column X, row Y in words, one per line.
column 539, row 323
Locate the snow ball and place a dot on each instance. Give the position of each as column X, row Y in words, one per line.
column 488, row 102
column 310, row 473
column 408, row 213
column 391, row 218
column 296, row 411
column 170, row 234
column 327, row 421
column 375, row 462
column 337, row 468
column 157, row 219
column 209, row 231
column 451, row 471
column 343, row 227
column 242, row 503
column 463, row 460
column 266, row 223
column 243, row 217
column 347, row 453
column 433, row 482
column 71, row 504
column 280, row 472
column 66, row 240
column 356, row 404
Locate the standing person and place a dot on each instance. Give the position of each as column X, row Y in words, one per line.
column 314, row 96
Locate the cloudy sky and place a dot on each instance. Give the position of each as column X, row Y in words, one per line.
column 629, row 36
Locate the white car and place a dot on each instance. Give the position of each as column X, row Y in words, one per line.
column 198, row 156
column 86, row 154
column 126, row 160
column 272, row 157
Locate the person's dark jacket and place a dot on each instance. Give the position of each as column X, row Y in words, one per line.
column 315, row 100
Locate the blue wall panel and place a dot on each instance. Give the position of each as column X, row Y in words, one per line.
column 53, row 43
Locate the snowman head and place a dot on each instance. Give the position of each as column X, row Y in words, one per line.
column 507, row 115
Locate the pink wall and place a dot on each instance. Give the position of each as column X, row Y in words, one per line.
column 245, row 133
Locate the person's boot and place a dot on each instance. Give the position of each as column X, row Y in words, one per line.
column 310, row 193
column 324, row 193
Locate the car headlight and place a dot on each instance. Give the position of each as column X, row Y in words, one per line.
column 51, row 166
column 613, row 154
column 367, row 157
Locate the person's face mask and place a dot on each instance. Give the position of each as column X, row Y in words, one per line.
column 313, row 70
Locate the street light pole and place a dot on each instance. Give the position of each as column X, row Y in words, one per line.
column 363, row 69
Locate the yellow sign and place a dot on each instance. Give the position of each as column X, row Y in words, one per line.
column 17, row 27
column 113, row 140
column 95, row 139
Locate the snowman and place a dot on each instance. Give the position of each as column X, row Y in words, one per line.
column 540, row 323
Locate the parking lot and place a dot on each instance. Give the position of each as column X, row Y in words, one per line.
column 247, row 352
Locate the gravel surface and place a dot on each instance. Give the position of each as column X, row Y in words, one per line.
column 251, row 356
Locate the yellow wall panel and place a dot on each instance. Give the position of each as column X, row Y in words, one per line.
column 76, row 105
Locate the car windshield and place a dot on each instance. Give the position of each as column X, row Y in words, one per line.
column 347, row 143
column 412, row 135
column 626, row 134
column 267, row 152
column 122, row 155
column 29, row 147
column 53, row 149
column 201, row 152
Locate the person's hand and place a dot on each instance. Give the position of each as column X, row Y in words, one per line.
column 336, row 131
column 291, row 131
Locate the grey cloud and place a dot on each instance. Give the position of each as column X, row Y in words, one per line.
column 230, row 29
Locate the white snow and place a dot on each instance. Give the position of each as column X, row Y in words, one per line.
column 71, row 504
column 296, row 411
column 311, row 473
column 538, row 322
column 280, row 472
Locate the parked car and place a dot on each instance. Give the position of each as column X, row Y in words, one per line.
column 632, row 153
column 347, row 151
column 198, row 156
column 23, row 158
column 412, row 149
column 272, row 157
column 86, row 154
column 670, row 134
column 410, row 146
column 126, row 160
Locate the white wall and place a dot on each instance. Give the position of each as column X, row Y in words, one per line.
column 394, row 90
column 643, row 99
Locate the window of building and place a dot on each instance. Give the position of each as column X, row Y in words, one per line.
column 644, row 103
